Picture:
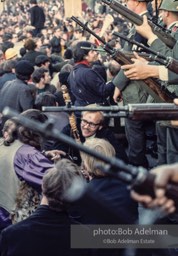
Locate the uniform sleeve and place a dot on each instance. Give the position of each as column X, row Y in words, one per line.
column 121, row 81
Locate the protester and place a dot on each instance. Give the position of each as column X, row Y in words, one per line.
column 86, row 85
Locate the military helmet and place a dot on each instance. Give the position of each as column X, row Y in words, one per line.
column 169, row 5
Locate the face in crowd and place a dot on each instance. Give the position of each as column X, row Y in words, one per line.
column 91, row 122
column 92, row 56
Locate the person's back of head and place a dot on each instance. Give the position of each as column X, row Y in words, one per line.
column 30, row 44
column 45, row 99
column 24, row 70
column 46, row 49
column 9, row 132
column 68, row 54
column 27, row 135
column 9, row 65
column 114, row 67
column 101, row 146
column 22, row 51
column 57, row 181
column 33, row 2
column 38, row 74
column 41, row 60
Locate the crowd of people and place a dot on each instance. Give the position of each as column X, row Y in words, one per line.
column 41, row 50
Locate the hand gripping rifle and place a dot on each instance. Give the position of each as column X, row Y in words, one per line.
column 164, row 35
column 157, row 91
column 148, row 111
column 128, row 54
column 169, row 62
column 137, row 178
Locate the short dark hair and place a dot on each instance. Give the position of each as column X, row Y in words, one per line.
column 79, row 53
column 30, row 44
column 57, row 181
column 41, row 59
column 9, row 65
column 33, row 2
column 38, row 74
column 45, row 99
column 68, row 54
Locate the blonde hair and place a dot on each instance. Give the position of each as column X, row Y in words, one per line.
column 94, row 105
column 101, row 146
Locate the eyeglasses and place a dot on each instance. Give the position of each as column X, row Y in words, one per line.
column 90, row 124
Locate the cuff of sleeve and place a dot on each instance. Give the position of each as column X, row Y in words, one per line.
column 152, row 39
column 163, row 73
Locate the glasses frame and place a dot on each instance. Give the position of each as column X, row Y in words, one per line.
column 90, row 124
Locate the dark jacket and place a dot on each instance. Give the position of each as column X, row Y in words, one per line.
column 56, row 44
column 37, row 17
column 31, row 56
column 88, row 86
column 6, row 77
column 46, row 232
column 48, row 88
column 106, row 201
column 117, row 198
column 17, row 95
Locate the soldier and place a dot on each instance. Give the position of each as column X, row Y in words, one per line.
column 166, row 133
column 132, row 92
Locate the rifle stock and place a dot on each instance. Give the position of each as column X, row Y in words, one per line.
column 147, row 111
column 136, row 19
column 157, row 91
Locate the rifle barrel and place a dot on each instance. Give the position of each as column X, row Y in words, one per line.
column 148, row 111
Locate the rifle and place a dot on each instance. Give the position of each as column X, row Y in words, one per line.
column 148, row 111
column 169, row 62
column 164, row 35
column 159, row 92
column 137, row 177
column 146, row 56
